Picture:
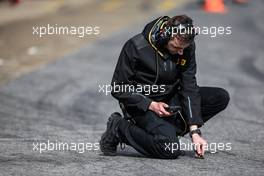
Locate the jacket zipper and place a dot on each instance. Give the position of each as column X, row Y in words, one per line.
column 171, row 66
column 165, row 66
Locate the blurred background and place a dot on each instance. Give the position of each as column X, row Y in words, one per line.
column 22, row 52
column 49, row 86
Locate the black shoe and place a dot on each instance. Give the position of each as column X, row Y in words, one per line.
column 109, row 139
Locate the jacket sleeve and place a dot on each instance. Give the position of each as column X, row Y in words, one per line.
column 191, row 99
column 123, row 79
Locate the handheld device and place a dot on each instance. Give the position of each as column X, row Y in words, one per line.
column 173, row 109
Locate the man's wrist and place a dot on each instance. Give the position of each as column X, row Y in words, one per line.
column 193, row 127
column 151, row 105
column 195, row 132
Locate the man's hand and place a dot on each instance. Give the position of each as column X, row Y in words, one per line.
column 199, row 143
column 159, row 108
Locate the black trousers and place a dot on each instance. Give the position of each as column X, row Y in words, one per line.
column 151, row 134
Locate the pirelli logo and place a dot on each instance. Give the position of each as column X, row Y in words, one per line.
column 181, row 61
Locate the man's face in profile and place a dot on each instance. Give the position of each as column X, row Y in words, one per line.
column 176, row 46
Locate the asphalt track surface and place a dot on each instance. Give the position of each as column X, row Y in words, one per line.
column 61, row 102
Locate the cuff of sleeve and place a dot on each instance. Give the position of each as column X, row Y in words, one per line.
column 144, row 105
column 196, row 121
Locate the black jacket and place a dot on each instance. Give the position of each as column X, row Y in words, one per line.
column 142, row 62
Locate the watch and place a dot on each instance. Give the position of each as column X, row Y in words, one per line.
column 198, row 131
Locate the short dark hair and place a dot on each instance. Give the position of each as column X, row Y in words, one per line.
column 187, row 22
